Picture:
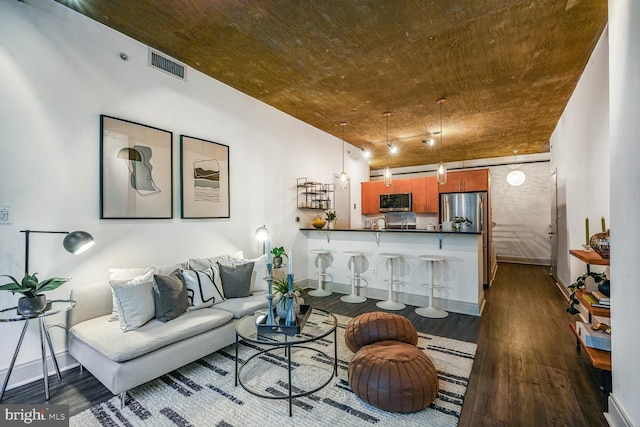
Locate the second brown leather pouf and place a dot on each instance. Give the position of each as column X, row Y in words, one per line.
column 394, row 376
column 369, row 328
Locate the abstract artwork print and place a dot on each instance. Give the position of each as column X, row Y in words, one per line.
column 135, row 170
column 204, row 178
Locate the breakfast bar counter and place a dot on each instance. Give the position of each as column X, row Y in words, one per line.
column 460, row 275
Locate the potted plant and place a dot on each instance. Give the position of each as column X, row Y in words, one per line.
column 33, row 301
column 580, row 283
column 278, row 253
column 331, row 217
column 280, row 288
column 462, row 223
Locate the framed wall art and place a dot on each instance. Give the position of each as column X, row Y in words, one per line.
column 136, row 170
column 204, row 177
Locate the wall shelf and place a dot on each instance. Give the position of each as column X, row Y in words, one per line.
column 314, row 195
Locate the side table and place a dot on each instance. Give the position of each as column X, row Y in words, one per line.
column 11, row 315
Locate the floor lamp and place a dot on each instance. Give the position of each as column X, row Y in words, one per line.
column 74, row 242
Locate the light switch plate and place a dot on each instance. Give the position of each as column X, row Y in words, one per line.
column 5, row 215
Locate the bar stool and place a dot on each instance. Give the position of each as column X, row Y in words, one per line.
column 321, row 291
column 356, row 280
column 431, row 311
column 390, row 304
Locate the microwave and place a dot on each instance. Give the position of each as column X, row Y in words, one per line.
column 399, row 202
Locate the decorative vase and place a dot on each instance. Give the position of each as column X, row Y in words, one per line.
column 605, row 287
column 32, row 306
column 281, row 306
column 330, row 225
column 600, row 242
column 277, row 261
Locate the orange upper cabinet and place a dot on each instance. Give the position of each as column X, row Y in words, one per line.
column 466, row 181
column 370, row 193
column 424, row 195
column 397, row 186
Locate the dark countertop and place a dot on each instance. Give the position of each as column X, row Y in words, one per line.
column 394, row 230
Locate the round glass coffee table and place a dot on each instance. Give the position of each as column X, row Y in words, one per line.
column 296, row 364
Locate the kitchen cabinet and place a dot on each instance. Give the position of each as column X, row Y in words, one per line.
column 466, row 181
column 397, row 186
column 314, row 195
column 424, row 193
column 370, row 194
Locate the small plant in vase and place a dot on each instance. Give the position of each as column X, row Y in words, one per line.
column 33, row 300
column 580, row 284
column 281, row 289
column 278, row 253
column 331, row 217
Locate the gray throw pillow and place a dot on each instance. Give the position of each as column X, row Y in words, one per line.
column 236, row 280
column 169, row 296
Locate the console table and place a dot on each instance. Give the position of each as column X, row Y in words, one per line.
column 11, row 315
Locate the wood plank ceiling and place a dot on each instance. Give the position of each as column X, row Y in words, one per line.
column 506, row 68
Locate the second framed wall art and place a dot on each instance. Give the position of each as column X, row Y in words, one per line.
column 204, row 178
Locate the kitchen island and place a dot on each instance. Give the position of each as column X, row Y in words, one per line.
column 461, row 275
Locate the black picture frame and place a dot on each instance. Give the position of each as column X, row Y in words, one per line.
column 136, row 170
column 204, row 178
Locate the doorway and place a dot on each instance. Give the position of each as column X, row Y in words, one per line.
column 553, row 226
column 342, row 203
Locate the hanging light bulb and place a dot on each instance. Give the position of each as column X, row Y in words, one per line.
column 344, row 179
column 516, row 177
column 387, row 171
column 442, row 168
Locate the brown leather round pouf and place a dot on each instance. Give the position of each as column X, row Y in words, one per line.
column 378, row 326
column 393, row 376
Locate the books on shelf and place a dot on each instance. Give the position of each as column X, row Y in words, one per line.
column 594, row 301
column 593, row 338
column 602, row 298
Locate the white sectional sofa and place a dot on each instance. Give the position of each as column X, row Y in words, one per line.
column 123, row 360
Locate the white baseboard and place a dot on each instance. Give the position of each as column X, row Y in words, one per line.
column 31, row 371
column 616, row 417
column 410, row 299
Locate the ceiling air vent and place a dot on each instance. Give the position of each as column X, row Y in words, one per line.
column 167, row 65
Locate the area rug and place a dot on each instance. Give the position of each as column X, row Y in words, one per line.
column 203, row 393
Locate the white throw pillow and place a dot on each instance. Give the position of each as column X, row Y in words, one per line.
column 201, row 264
column 204, row 288
column 131, row 273
column 134, row 301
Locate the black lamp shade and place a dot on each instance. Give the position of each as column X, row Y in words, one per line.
column 77, row 242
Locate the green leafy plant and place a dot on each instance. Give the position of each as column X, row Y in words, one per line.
column 279, row 252
column 580, row 284
column 30, row 286
column 281, row 287
column 331, row 215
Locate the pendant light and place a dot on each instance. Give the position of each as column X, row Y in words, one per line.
column 516, row 177
column 442, row 168
column 344, row 178
column 387, row 170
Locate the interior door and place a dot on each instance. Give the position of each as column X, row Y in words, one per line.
column 553, row 227
column 343, row 201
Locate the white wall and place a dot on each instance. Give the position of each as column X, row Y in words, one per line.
column 60, row 71
column 624, row 63
column 580, row 154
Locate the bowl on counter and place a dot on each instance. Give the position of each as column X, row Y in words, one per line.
column 318, row 223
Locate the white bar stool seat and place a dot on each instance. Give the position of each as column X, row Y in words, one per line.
column 431, row 311
column 390, row 303
column 356, row 280
column 320, row 291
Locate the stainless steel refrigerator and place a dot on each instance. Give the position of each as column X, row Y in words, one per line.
column 474, row 207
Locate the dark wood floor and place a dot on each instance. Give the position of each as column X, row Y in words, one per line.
column 526, row 373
